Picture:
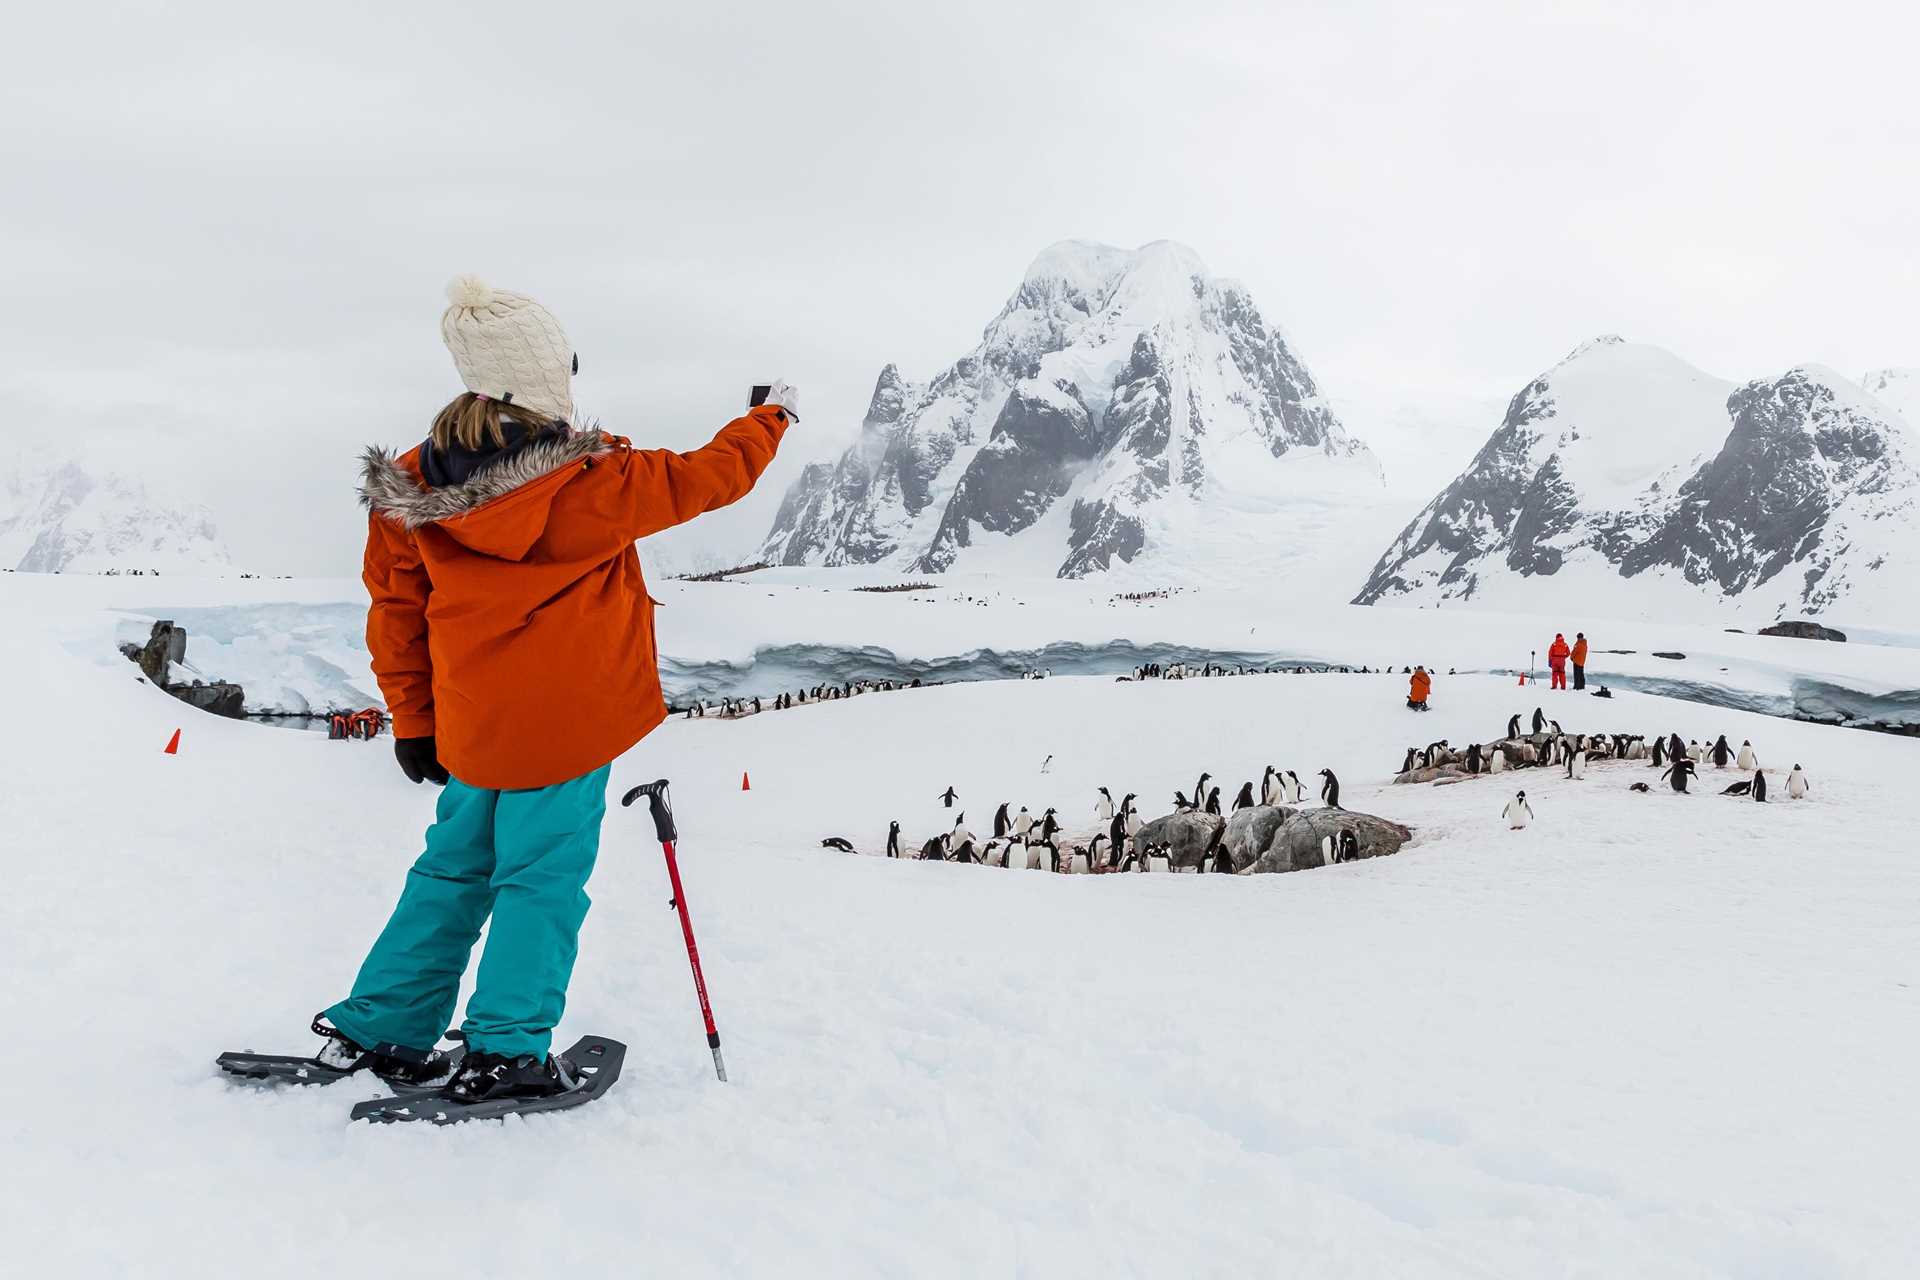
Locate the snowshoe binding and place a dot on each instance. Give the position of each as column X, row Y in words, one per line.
column 406, row 1070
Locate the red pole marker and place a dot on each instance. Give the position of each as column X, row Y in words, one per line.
column 173, row 744
column 656, row 794
column 744, row 784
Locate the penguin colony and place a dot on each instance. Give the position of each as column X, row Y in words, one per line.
column 734, row 708
column 1550, row 746
column 1124, row 840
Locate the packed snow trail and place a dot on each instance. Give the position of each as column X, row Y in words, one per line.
column 1651, row 1035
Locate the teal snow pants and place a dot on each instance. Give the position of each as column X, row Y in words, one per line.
column 521, row 856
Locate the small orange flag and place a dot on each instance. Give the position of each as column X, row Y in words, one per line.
column 744, row 786
column 173, row 744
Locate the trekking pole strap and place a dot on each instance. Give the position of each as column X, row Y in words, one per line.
column 659, row 804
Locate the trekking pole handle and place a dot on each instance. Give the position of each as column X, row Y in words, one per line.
column 661, row 806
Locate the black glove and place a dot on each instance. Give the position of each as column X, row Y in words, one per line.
column 418, row 759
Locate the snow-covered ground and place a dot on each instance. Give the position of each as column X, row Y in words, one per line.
column 1652, row 1035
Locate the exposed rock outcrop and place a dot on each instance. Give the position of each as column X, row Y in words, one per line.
column 1296, row 845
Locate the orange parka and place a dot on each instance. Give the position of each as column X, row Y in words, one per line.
column 1422, row 685
column 1557, row 655
column 1580, row 652
column 509, row 618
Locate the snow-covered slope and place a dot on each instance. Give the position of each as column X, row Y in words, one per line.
column 69, row 515
column 1652, row 1035
column 1899, row 389
column 1626, row 482
column 1120, row 406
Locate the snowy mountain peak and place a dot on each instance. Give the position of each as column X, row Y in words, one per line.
column 1115, row 390
column 1899, row 390
column 59, row 514
column 1626, row 480
column 1594, row 344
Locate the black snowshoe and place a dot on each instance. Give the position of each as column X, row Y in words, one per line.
column 407, row 1070
column 490, row 1087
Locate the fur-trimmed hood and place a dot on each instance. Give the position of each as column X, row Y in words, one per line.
column 390, row 489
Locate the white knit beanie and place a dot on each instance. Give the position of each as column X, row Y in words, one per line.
column 509, row 348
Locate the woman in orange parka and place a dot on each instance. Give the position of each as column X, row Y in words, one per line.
column 1557, row 661
column 512, row 634
column 1418, row 688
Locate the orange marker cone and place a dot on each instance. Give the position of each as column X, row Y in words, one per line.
column 173, row 744
column 1523, row 682
column 744, row 786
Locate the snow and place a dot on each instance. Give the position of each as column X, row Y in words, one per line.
column 1626, row 412
column 1899, row 390
column 1650, row 1035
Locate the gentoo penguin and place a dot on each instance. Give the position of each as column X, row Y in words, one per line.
column 1093, row 850
column 893, row 840
column 965, row 852
column 1577, row 763
column 1498, row 763
column 1273, row 786
column 1406, row 766
column 1180, row 802
column 1330, row 789
column 959, row 831
column 1473, row 757
column 1244, row 800
column 1022, row 823
column 1737, row 789
column 935, row 849
column 1218, row 860
column 1675, row 748
column 1117, row 831
column 1518, row 812
column 1213, row 801
column 1049, row 826
column 1001, row 821
column 1722, row 753
column 948, row 796
column 1513, row 726
column 1200, row 790
column 1103, row 807
column 1797, row 783
column 1641, row 787
column 1659, row 752
column 1748, row 760
column 841, row 843
column 1679, row 771
column 1299, row 791
column 1131, row 815
column 1539, row 720
column 1760, row 785
column 1695, row 752
column 1348, row 847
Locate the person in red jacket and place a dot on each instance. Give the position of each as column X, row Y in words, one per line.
column 512, row 633
column 1557, row 661
column 1418, row 688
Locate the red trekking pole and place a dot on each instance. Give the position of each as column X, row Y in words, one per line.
column 656, row 794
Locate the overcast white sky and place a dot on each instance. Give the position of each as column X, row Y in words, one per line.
column 226, row 228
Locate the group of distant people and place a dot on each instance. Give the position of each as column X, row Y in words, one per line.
column 1560, row 652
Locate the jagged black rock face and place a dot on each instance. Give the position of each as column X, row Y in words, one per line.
column 1763, row 501
column 1030, row 458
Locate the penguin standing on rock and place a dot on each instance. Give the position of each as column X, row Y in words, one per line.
column 1518, row 812
column 1244, row 800
column 1473, row 757
column 1498, row 762
column 1797, row 783
column 1748, row 760
column 1273, row 786
column 1539, row 720
column 1299, row 792
column 1406, row 766
column 1213, row 801
column 1679, row 771
column 1513, row 726
column 1103, row 807
column 1330, row 789
column 1200, row 790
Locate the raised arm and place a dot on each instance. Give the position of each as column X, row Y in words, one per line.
column 663, row 488
column 398, row 586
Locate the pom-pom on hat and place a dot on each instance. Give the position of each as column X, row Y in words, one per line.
column 509, row 348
